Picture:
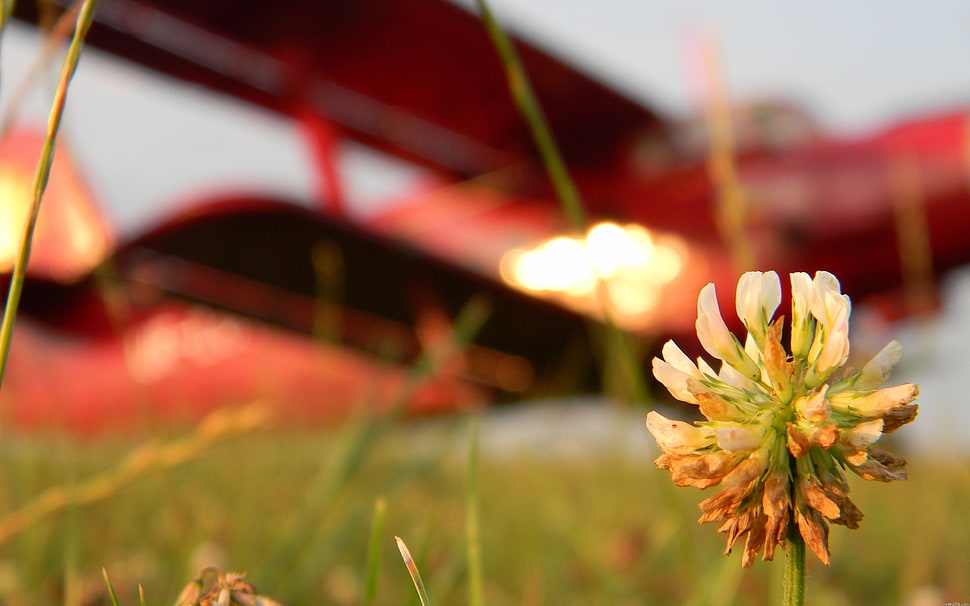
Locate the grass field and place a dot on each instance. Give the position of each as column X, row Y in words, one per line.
column 596, row 525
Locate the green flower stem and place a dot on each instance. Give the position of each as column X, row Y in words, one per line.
column 794, row 591
column 794, row 594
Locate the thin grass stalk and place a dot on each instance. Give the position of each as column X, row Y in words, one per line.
column 140, row 462
column 374, row 551
column 72, row 588
column 912, row 234
column 472, row 522
column 52, row 43
column 111, row 590
column 525, row 99
column 794, row 587
column 413, row 571
column 41, row 177
column 732, row 206
column 616, row 340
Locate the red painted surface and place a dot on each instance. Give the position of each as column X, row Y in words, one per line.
column 420, row 80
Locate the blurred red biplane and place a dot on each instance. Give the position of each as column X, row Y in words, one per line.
column 111, row 333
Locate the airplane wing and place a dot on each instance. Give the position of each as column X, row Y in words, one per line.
column 417, row 79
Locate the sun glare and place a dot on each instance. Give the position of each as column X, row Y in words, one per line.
column 630, row 264
column 14, row 197
column 70, row 237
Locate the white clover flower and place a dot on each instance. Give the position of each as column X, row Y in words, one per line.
column 782, row 427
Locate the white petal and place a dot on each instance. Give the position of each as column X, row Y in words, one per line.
column 732, row 377
column 677, row 437
column 801, row 295
column 880, row 401
column 737, row 438
column 715, row 337
column 673, row 355
column 712, row 332
column 705, row 368
column 758, row 296
column 823, row 284
column 677, row 382
column 833, row 353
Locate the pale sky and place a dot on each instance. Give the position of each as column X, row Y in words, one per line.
column 855, row 64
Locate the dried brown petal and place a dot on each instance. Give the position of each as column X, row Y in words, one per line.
column 820, row 501
column 798, row 444
column 743, row 522
column 894, row 462
column 776, row 358
column 851, row 515
column 815, row 532
column 723, row 504
column 776, row 500
column 776, row 504
column 897, row 417
column 881, row 466
column 699, row 471
column 756, row 540
column 837, row 490
column 747, row 471
column 215, row 588
column 825, row 437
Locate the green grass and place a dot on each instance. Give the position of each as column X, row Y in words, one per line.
column 607, row 528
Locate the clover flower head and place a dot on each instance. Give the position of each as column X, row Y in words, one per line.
column 782, row 426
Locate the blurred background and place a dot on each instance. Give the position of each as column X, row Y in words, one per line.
column 336, row 206
column 830, row 104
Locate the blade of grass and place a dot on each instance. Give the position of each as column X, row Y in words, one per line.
column 41, row 176
column 111, row 589
column 374, row 551
column 912, row 234
column 52, row 43
column 413, row 571
column 528, row 105
column 472, row 520
column 71, row 550
column 617, row 343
